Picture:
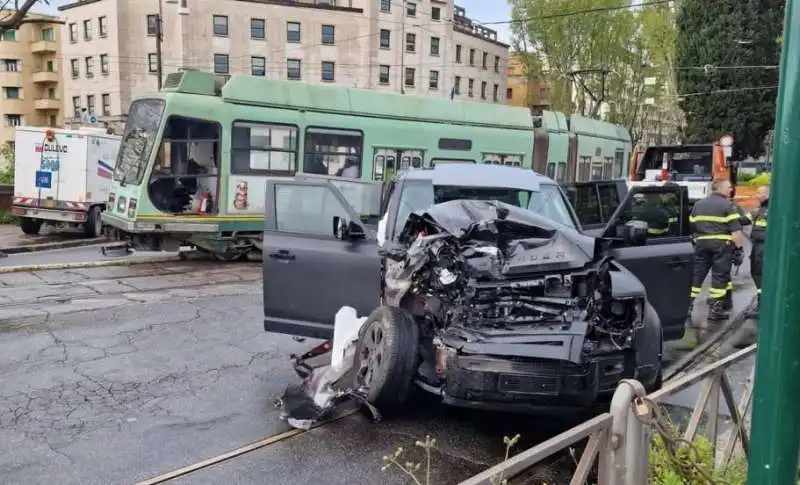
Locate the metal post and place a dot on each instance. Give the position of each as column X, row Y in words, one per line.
column 776, row 418
column 159, row 40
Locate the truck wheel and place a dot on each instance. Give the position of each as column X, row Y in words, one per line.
column 386, row 358
column 30, row 227
column 94, row 224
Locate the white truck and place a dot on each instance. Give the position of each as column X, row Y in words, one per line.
column 62, row 177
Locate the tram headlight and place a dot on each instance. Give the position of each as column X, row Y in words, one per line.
column 132, row 208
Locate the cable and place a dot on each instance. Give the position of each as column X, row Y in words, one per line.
column 579, row 12
column 723, row 91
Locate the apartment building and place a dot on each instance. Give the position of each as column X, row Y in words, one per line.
column 424, row 47
column 30, row 77
column 523, row 89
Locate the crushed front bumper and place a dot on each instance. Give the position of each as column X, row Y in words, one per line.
column 529, row 385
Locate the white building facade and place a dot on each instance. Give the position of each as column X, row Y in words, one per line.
column 427, row 47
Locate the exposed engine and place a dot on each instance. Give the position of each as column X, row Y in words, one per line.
column 501, row 273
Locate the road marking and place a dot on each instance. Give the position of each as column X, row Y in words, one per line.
column 87, row 264
column 271, row 440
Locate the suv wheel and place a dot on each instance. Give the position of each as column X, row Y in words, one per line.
column 386, row 358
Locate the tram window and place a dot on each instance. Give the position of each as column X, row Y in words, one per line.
column 550, row 171
column 186, row 167
column 619, row 160
column 608, row 167
column 416, row 162
column 561, row 172
column 584, row 169
column 261, row 148
column 333, row 152
column 437, row 161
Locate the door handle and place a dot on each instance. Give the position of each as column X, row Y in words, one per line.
column 677, row 263
column 283, row 255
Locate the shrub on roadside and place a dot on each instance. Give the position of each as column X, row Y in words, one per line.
column 7, row 218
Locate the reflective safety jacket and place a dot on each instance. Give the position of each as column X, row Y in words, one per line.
column 714, row 217
column 759, row 232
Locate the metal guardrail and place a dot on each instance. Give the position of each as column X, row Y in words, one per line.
column 619, row 441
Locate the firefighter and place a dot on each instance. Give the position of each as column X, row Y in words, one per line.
column 654, row 214
column 716, row 233
column 758, row 238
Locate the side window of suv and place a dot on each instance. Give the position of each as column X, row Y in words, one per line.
column 586, row 204
column 609, row 200
column 306, row 209
column 661, row 211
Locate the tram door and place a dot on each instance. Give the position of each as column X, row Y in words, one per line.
column 387, row 161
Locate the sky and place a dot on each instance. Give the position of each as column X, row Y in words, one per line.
column 479, row 10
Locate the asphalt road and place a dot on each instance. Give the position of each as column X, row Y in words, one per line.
column 115, row 375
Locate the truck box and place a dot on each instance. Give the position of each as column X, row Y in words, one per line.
column 62, row 177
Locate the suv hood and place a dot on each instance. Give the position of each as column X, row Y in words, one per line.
column 528, row 241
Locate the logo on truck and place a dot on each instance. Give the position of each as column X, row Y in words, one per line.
column 50, row 156
column 50, row 148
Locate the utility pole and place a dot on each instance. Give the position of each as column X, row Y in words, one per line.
column 775, row 431
column 402, row 50
column 159, row 40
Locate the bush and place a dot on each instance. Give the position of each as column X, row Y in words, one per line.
column 7, row 173
column 7, row 218
column 691, row 465
column 760, row 179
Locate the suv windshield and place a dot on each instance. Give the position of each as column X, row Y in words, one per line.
column 548, row 201
column 138, row 140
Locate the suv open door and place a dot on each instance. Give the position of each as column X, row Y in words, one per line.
column 318, row 256
column 661, row 260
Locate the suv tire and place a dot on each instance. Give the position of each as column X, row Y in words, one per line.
column 386, row 358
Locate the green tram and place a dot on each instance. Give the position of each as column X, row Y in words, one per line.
column 195, row 157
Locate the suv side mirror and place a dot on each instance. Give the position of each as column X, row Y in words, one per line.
column 346, row 230
column 635, row 233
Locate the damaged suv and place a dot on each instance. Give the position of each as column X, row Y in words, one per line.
column 479, row 284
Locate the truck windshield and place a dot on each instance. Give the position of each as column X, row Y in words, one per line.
column 138, row 140
column 685, row 163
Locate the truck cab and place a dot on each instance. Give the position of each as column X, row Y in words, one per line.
column 321, row 244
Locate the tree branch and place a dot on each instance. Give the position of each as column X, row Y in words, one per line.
column 13, row 21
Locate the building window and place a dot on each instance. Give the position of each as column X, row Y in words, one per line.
column 435, row 46
column 383, row 74
column 11, row 65
column 11, row 92
column 496, row 63
column 472, row 57
column 258, row 66
column 102, row 23
column 411, row 9
column 90, row 104
column 47, row 34
column 87, row 29
column 10, row 35
column 51, row 93
column 89, row 67
column 496, row 93
column 328, row 69
column 433, row 81
column 484, row 60
column 436, row 13
column 386, row 5
column 386, row 39
column 74, row 68
column 293, row 32
column 258, row 29
column 483, row 89
column 106, row 98
column 410, row 75
column 457, row 85
column 152, row 24
column 470, row 87
column 152, row 62
column 221, row 64
column 411, row 43
column 50, row 66
column 73, row 33
column 220, row 25
column 293, row 69
column 509, row 93
column 76, row 106
column 328, row 34
column 13, row 120
column 103, row 63
column 458, row 54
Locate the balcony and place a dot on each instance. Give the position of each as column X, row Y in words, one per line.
column 46, row 77
column 46, row 104
column 43, row 46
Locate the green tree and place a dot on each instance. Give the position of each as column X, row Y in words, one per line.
column 6, row 164
column 740, row 101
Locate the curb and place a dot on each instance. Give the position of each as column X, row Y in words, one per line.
column 32, row 248
column 88, row 264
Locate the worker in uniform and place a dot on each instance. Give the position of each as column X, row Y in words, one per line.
column 758, row 238
column 654, row 214
column 716, row 233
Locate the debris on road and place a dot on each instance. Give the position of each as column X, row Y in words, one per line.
column 320, row 393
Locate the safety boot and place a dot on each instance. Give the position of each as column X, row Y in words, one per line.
column 727, row 302
column 716, row 309
column 689, row 340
